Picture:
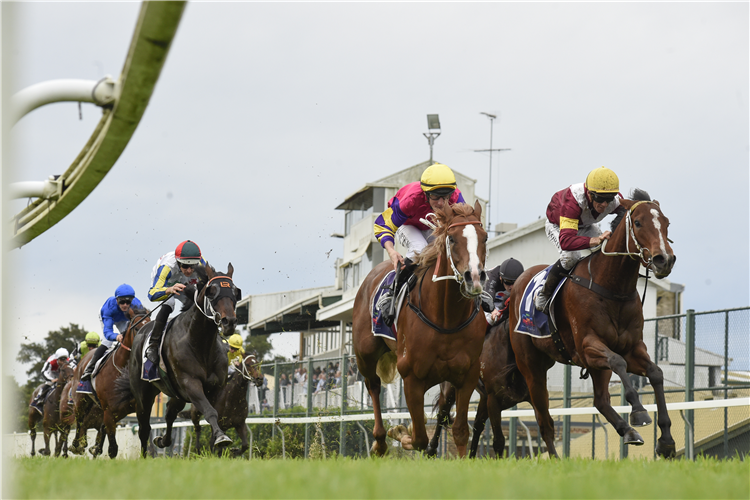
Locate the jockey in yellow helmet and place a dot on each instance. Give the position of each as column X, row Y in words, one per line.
column 572, row 224
column 436, row 189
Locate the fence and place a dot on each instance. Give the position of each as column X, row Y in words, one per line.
column 320, row 407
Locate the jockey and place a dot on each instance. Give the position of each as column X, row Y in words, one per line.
column 51, row 372
column 92, row 341
column 172, row 274
column 436, row 189
column 112, row 314
column 236, row 352
column 572, row 224
column 499, row 284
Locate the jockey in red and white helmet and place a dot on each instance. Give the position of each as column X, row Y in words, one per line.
column 170, row 276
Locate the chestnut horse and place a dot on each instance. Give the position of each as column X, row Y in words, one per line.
column 109, row 404
column 502, row 386
column 195, row 358
column 231, row 405
column 51, row 417
column 440, row 332
column 602, row 328
column 68, row 401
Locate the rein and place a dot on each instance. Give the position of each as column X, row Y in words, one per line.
column 631, row 234
column 457, row 277
column 207, row 305
column 244, row 370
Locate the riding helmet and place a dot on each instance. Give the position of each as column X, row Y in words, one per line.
column 92, row 338
column 236, row 341
column 62, row 353
column 603, row 181
column 511, row 269
column 188, row 252
column 439, row 179
column 124, row 290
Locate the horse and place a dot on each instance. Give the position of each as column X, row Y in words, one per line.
column 68, row 401
column 194, row 356
column 440, row 337
column 601, row 327
column 111, row 413
column 51, row 415
column 502, row 386
column 231, row 405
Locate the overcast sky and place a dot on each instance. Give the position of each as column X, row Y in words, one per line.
column 267, row 116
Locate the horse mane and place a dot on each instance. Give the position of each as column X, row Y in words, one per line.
column 635, row 195
column 429, row 255
column 122, row 391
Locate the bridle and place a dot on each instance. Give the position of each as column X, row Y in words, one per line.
column 121, row 345
column 208, row 307
column 457, row 277
column 630, row 232
column 244, row 371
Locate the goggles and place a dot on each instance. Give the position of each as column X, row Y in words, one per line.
column 186, row 266
column 124, row 300
column 602, row 198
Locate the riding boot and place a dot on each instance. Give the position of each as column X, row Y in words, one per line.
column 152, row 351
column 553, row 279
column 92, row 363
column 402, row 276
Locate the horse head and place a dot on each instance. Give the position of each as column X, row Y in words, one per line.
column 465, row 245
column 251, row 370
column 219, row 297
column 138, row 317
column 66, row 372
column 648, row 226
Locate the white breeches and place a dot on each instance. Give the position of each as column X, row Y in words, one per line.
column 568, row 259
column 413, row 239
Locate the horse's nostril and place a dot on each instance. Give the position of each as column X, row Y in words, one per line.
column 467, row 276
column 482, row 276
column 659, row 260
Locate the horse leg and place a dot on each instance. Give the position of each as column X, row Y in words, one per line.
column 379, row 445
column 445, row 403
column 479, row 421
column 533, row 365
column 414, row 390
column 143, row 412
column 461, row 421
column 110, row 427
column 80, row 441
column 600, row 379
column 174, row 406
column 242, row 433
column 47, row 433
column 98, row 447
column 194, row 392
column 32, row 429
column 639, row 362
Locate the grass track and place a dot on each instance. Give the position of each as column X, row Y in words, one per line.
column 42, row 477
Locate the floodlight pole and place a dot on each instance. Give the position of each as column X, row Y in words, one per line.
column 433, row 123
column 489, row 201
column 431, row 136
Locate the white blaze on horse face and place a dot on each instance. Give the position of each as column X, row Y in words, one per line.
column 657, row 225
column 472, row 244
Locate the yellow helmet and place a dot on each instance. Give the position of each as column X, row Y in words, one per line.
column 603, row 181
column 236, row 341
column 438, row 177
column 92, row 338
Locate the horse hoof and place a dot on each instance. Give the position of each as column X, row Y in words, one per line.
column 158, row 442
column 397, row 432
column 222, row 440
column 430, row 451
column 378, row 450
column 640, row 418
column 665, row 450
column 632, row 437
column 44, row 452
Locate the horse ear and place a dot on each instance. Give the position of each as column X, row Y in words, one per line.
column 230, row 270
column 210, row 271
column 626, row 204
column 657, row 203
column 478, row 210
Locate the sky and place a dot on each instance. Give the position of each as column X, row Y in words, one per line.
column 267, row 116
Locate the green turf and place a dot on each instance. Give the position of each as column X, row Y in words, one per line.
column 43, row 477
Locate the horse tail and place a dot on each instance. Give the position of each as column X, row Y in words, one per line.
column 515, row 384
column 386, row 368
column 122, row 391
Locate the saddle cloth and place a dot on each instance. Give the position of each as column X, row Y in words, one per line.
column 150, row 372
column 379, row 328
column 530, row 321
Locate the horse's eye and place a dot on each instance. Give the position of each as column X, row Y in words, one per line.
column 637, row 223
column 450, row 238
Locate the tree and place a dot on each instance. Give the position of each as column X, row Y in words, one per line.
column 258, row 345
column 37, row 353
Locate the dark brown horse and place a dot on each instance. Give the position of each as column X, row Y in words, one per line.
column 231, row 405
column 195, row 358
column 51, row 417
column 440, row 331
column 111, row 406
column 502, row 386
column 68, row 401
column 603, row 330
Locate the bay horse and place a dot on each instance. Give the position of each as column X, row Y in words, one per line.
column 602, row 328
column 440, row 332
column 93, row 419
column 51, row 415
column 110, row 406
column 231, row 405
column 502, row 386
column 195, row 358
